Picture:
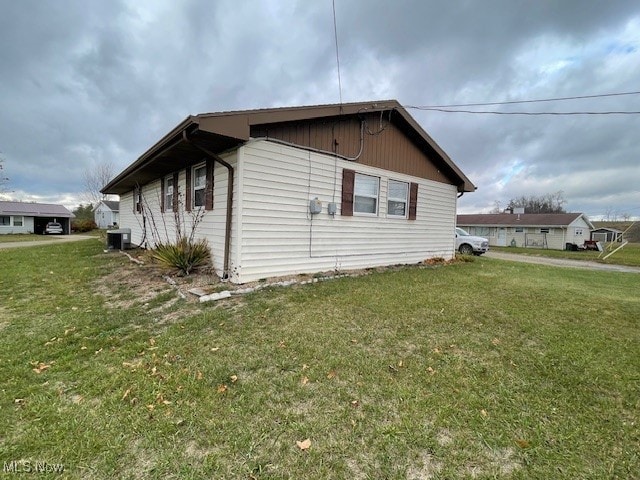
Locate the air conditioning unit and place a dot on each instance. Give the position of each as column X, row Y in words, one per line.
column 119, row 239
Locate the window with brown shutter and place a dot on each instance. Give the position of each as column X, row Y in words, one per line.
column 187, row 193
column 348, row 179
column 208, row 197
column 175, row 192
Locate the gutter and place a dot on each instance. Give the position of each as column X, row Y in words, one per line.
column 227, row 233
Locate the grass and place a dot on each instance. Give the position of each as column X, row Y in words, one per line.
column 482, row 369
column 22, row 237
column 629, row 255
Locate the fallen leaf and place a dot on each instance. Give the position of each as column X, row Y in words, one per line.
column 304, row 366
column 304, row 445
column 97, row 351
column 483, row 412
column 215, row 349
column 496, row 341
column 19, row 401
column 355, row 403
column 436, row 350
column 431, row 371
column 282, row 344
column 234, row 378
column 353, row 340
column 523, row 443
column 400, row 364
column 83, row 348
column 222, row 388
column 304, row 380
column 40, row 367
column 331, row 374
column 126, row 394
column 198, row 375
column 152, row 341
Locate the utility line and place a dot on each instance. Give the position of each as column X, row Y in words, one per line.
column 494, row 112
column 335, row 34
column 429, row 107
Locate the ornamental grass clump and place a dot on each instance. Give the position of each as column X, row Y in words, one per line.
column 185, row 254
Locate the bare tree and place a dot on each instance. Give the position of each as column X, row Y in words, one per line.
column 548, row 203
column 3, row 180
column 95, row 179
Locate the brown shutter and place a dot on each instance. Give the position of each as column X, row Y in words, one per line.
column 348, row 179
column 135, row 190
column 187, row 193
column 413, row 201
column 208, row 194
column 162, row 194
column 175, row 192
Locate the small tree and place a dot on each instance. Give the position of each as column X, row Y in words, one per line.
column 84, row 212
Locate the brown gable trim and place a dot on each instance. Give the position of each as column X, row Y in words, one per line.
column 348, row 180
column 413, row 201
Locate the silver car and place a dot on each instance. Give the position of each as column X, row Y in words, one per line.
column 53, row 228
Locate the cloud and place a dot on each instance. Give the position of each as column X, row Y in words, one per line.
column 87, row 81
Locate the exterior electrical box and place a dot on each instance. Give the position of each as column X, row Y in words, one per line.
column 315, row 206
column 332, row 208
column 119, row 239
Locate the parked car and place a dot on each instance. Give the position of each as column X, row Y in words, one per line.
column 53, row 227
column 468, row 244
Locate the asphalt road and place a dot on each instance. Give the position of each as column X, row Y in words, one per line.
column 50, row 239
column 562, row 262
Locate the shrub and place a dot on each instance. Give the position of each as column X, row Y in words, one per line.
column 185, row 254
column 83, row 225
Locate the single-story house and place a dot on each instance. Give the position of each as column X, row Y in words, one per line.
column 27, row 217
column 539, row 230
column 106, row 213
column 606, row 235
column 286, row 191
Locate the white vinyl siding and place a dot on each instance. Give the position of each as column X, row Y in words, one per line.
column 279, row 237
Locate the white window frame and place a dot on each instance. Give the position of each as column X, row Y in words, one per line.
column 195, row 187
column 546, row 230
column 578, row 231
column 518, row 229
column 404, row 200
column 376, row 197
column 18, row 221
column 168, row 193
column 8, row 224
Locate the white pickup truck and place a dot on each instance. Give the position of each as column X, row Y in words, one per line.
column 468, row 244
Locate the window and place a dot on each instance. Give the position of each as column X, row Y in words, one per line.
column 168, row 193
column 482, row 231
column 137, row 199
column 546, row 230
column 365, row 194
column 397, row 199
column 199, row 185
column 519, row 230
column 579, row 231
column 17, row 221
column 5, row 221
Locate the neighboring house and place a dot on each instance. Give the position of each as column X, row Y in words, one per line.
column 25, row 217
column 540, row 230
column 297, row 190
column 606, row 235
column 106, row 213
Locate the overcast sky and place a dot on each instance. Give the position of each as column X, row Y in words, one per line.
column 84, row 82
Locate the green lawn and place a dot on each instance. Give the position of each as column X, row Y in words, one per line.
column 629, row 255
column 483, row 369
column 22, row 237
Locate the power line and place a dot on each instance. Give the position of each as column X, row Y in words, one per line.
column 603, row 95
column 495, row 112
column 335, row 34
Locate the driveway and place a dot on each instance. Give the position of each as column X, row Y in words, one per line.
column 48, row 241
column 562, row 262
